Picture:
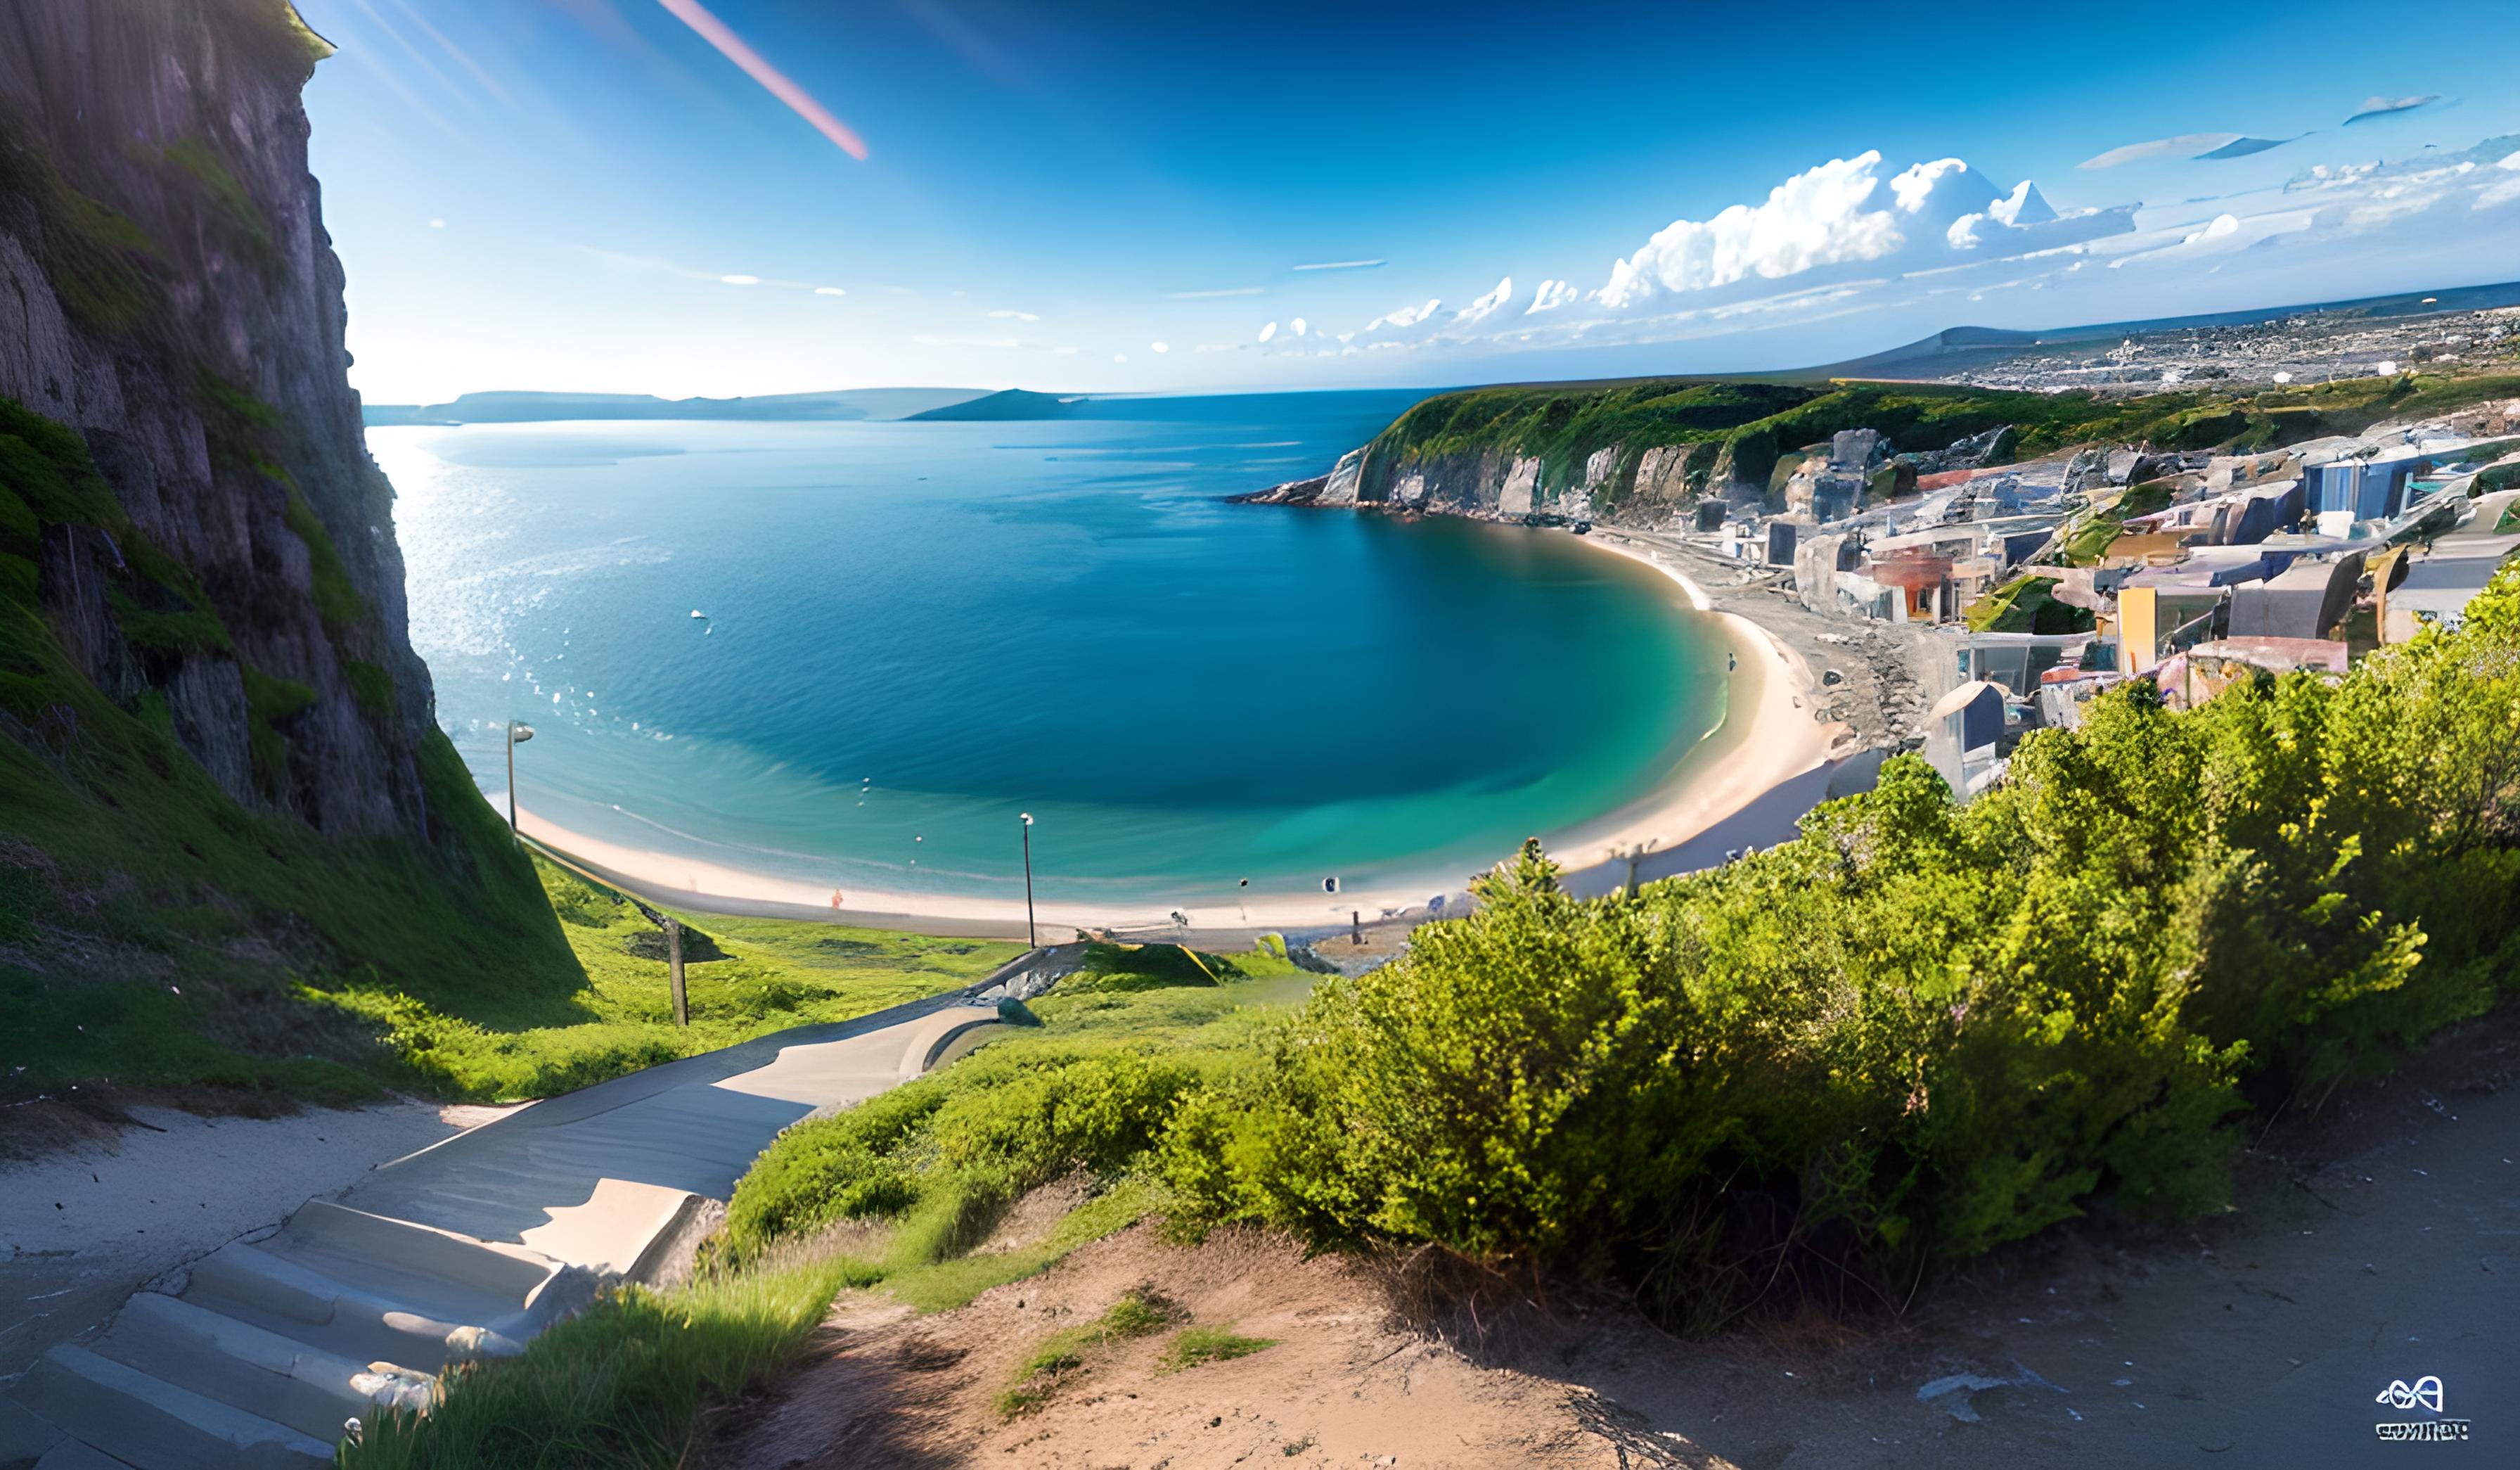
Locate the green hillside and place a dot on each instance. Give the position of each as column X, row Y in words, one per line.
column 1747, row 424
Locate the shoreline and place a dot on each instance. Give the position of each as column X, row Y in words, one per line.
column 1727, row 772
column 1736, row 763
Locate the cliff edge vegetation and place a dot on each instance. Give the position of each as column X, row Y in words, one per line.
column 1647, row 445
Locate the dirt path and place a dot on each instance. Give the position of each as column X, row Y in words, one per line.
column 1338, row 1386
column 2262, row 1343
column 2381, row 1244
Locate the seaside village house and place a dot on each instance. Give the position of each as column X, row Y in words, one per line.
column 2043, row 583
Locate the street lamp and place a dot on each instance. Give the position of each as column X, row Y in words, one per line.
column 1032, row 940
column 1636, row 856
column 519, row 733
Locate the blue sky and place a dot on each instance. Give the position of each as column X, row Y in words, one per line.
column 665, row 196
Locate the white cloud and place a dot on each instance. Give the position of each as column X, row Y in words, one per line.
column 740, row 280
column 1551, row 295
column 1916, row 184
column 1159, row 346
column 1297, row 326
column 1817, row 218
column 1486, row 306
column 2184, row 146
column 1406, row 316
column 1268, row 331
column 1340, row 265
column 437, row 224
column 2224, row 224
column 1015, row 316
column 828, row 291
column 1119, row 358
column 2382, row 107
column 1838, row 219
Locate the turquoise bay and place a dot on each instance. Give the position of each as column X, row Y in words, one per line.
column 916, row 631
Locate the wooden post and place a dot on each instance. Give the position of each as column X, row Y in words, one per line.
column 1355, row 926
column 674, row 970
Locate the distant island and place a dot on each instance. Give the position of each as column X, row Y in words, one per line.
column 855, row 403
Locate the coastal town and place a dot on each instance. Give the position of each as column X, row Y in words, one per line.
column 1988, row 598
column 1948, row 596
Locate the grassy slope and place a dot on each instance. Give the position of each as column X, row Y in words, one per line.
column 628, row 1383
column 777, row 974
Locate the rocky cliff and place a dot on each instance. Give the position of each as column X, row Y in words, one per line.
column 1642, row 451
column 168, row 293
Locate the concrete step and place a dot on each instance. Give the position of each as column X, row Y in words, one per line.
column 151, row 1424
column 250, row 1284
column 237, row 1363
column 439, row 1271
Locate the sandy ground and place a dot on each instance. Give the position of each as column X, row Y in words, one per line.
column 1339, row 1387
column 2379, row 1243
column 83, row 1227
column 1770, row 734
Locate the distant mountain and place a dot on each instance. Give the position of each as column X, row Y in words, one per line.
column 543, row 408
column 1960, row 350
column 1012, row 403
column 1017, row 404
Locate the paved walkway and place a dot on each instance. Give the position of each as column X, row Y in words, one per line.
column 263, row 1349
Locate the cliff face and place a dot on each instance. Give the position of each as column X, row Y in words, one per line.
column 1646, row 487
column 167, row 293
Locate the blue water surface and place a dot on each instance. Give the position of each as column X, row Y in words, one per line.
column 915, row 632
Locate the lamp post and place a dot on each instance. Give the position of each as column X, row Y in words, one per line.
column 1637, row 855
column 1032, row 940
column 519, row 733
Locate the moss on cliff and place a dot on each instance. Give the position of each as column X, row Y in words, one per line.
column 243, row 434
column 234, row 215
column 101, row 263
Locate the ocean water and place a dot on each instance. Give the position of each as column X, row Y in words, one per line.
column 915, row 632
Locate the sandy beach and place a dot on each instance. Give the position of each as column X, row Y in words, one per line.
column 1768, row 736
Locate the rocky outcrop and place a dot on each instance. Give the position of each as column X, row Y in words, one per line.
column 168, row 292
column 1657, row 485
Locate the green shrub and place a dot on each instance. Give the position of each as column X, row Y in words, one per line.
column 944, row 1153
column 1918, row 1031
